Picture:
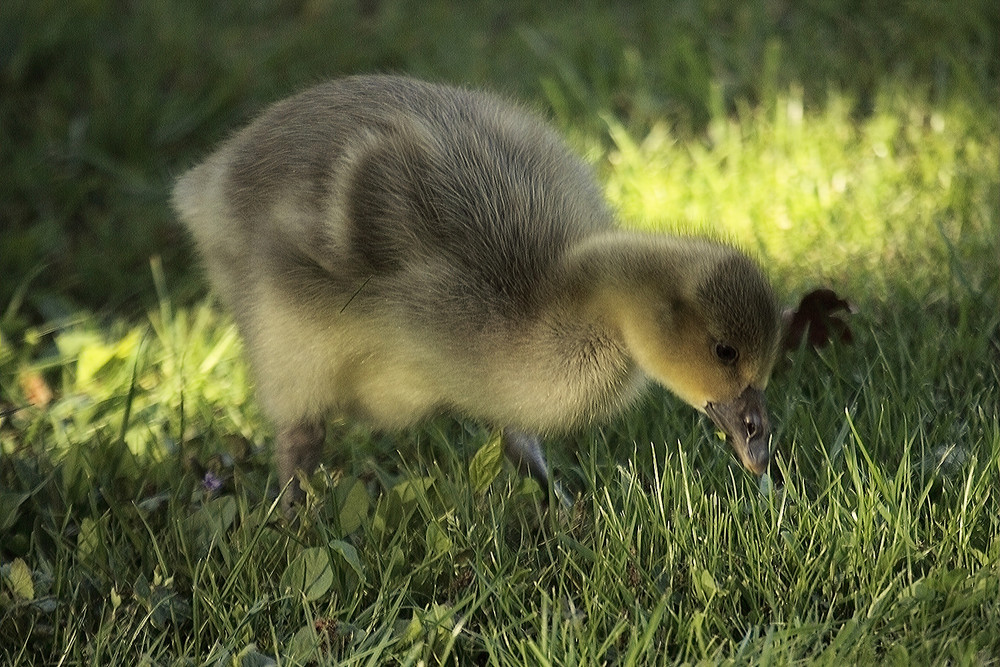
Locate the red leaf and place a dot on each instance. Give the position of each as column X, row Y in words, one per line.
column 817, row 320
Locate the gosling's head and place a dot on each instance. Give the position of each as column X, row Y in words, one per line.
column 707, row 328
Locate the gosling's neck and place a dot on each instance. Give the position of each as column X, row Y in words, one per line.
column 607, row 275
column 641, row 291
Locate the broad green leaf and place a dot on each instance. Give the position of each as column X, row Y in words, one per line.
column 88, row 539
column 19, row 580
column 354, row 507
column 91, row 360
column 309, row 574
column 438, row 542
column 395, row 506
column 705, row 585
column 409, row 490
column 9, row 507
column 164, row 605
column 441, row 615
column 304, row 645
column 251, row 657
column 396, row 562
column 413, row 630
column 486, row 464
column 72, row 341
column 349, row 555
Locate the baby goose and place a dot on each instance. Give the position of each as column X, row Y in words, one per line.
column 392, row 249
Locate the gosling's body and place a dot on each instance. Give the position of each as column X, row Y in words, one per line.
column 393, row 249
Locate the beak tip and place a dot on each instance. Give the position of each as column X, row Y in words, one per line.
column 747, row 428
column 757, row 461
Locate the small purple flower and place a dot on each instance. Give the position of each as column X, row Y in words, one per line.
column 211, row 482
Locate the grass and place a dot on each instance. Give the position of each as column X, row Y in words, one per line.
column 861, row 152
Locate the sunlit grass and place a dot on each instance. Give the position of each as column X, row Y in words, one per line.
column 905, row 196
column 137, row 513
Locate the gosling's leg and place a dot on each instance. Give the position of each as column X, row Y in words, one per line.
column 299, row 447
column 525, row 452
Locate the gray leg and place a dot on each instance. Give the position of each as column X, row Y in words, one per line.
column 525, row 452
column 298, row 448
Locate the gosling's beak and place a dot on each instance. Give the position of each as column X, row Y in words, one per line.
column 747, row 427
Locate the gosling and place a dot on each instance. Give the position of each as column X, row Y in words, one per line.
column 392, row 249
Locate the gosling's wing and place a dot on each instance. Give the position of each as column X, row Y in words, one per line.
column 467, row 197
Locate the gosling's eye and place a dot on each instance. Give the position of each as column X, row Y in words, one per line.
column 727, row 354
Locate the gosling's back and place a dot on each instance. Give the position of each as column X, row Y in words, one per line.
column 372, row 181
